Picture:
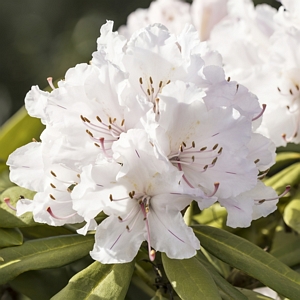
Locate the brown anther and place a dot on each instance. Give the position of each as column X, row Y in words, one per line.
column 127, row 227
column 205, row 167
column 297, row 87
column 288, row 107
column 215, row 146
column 130, row 195
column 284, row 136
column 152, row 90
column 279, row 90
column 204, row 148
column 160, row 84
column 151, row 81
column 99, row 120
column 140, row 202
column 291, row 92
column 87, row 120
column 52, row 197
column 122, row 123
column 261, row 201
column 141, row 80
column 21, row 197
column 53, row 174
column 109, row 127
column 220, row 151
column 110, row 197
column 193, row 144
column 295, row 135
column 184, row 144
column 193, row 158
column 82, row 118
column 52, row 185
column 145, row 219
column 181, row 148
column 133, row 193
column 228, row 79
column 120, row 218
column 97, row 145
column 148, row 91
column 214, row 161
column 78, row 175
column 256, row 161
column 168, row 81
column 110, row 120
column 89, row 133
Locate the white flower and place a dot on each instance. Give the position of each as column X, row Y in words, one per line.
column 143, row 203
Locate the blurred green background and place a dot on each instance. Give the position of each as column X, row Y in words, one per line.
column 42, row 38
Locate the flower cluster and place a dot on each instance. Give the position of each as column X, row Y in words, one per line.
column 150, row 125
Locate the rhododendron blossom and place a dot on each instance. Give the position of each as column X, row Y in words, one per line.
column 150, row 125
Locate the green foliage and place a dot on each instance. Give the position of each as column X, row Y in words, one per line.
column 98, row 282
column 249, row 258
column 10, row 237
column 43, row 253
column 190, row 279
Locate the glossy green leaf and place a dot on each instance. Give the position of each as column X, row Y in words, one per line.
column 227, row 291
column 190, row 279
column 98, row 281
column 249, row 258
column 16, row 132
column 291, row 214
column 43, row 253
column 35, row 284
column 10, row 237
column 8, row 218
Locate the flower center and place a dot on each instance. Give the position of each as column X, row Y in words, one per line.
column 104, row 134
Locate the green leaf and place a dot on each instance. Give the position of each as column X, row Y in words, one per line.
column 98, row 281
column 10, row 237
column 35, row 284
column 291, row 214
column 227, row 291
column 249, row 258
column 43, row 253
column 8, row 218
column 16, row 132
column 190, row 279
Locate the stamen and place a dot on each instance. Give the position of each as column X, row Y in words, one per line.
column 52, row 173
column 228, row 79
column 151, row 81
column 287, row 189
column 99, row 120
column 141, row 80
column 7, row 201
column 89, row 133
column 291, row 92
column 49, row 79
column 279, row 90
column 49, row 210
column 261, row 113
column 122, row 123
column 52, row 197
column 216, row 184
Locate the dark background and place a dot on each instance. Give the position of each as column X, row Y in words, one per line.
column 42, row 38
